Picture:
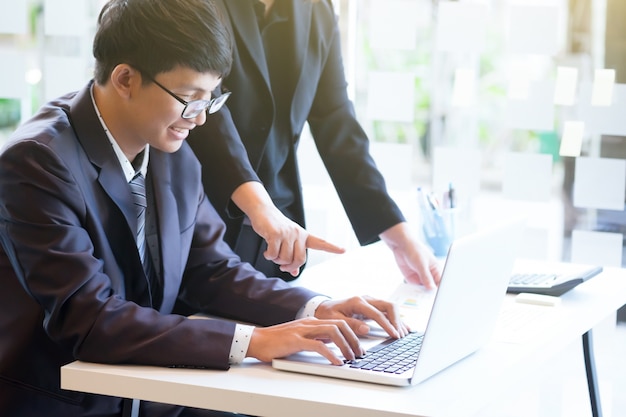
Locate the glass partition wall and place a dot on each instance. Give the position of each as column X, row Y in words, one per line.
column 516, row 104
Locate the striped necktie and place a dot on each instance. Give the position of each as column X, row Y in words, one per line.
column 138, row 191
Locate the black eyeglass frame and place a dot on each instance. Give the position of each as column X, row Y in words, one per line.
column 194, row 107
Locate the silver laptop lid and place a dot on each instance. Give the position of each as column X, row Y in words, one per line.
column 469, row 298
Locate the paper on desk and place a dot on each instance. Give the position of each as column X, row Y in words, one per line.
column 519, row 323
column 414, row 303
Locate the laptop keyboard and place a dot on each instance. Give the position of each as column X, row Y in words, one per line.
column 391, row 356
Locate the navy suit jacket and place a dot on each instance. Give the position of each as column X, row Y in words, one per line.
column 71, row 274
column 319, row 96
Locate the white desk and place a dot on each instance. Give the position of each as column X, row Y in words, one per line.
column 463, row 389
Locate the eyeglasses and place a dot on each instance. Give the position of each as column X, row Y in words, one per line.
column 195, row 107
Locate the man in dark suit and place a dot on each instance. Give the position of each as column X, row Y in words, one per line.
column 288, row 70
column 94, row 268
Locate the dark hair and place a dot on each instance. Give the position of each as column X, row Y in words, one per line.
column 158, row 35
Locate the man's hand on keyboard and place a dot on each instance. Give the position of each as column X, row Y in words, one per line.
column 353, row 310
column 336, row 322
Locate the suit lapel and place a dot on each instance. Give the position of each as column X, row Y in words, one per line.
column 94, row 141
column 167, row 215
column 245, row 26
column 108, row 173
column 302, row 14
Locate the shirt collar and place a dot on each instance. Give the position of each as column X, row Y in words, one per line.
column 127, row 166
column 278, row 13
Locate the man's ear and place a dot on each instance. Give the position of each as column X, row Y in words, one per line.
column 125, row 79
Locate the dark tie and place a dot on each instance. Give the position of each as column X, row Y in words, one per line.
column 138, row 190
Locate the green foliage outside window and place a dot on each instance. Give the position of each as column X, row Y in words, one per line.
column 10, row 111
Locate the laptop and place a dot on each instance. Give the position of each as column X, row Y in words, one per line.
column 463, row 315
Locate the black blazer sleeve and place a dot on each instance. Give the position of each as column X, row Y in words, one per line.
column 342, row 142
column 226, row 164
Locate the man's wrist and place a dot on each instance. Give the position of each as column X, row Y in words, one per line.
column 308, row 310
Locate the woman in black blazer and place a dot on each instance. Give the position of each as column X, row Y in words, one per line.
column 288, row 70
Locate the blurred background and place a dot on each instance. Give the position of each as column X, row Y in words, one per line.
column 519, row 104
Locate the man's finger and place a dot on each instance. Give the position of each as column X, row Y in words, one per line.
column 317, row 243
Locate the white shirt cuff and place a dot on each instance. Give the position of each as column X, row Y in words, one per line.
column 309, row 308
column 241, row 341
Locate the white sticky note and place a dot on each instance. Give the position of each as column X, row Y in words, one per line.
column 534, row 113
column 600, row 183
column 565, row 88
column 527, row 176
column 533, row 29
column 69, row 74
column 464, row 88
column 519, row 81
column 459, row 166
column 572, row 139
column 391, row 96
column 393, row 24
column 461, row 27
column 14, row 17
column 65, row 17
column 13, row 80
column 597, row 248
column 602, row 90
column 604, row 120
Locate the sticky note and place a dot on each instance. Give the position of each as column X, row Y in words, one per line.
column 603, row 84
column 533, row 29
column 13, row 79
column 14, row 17
column 534, row 113
column 519, row 82
column 391, row 96
column 393, row 25
column 65, row 17
column 461, row 27
column 600, row 183
column 565, row 88
column 527, row 176
column 464, row 88
column 604, row 120
column 572, row 139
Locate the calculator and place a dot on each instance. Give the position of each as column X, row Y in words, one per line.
column 551, row 283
